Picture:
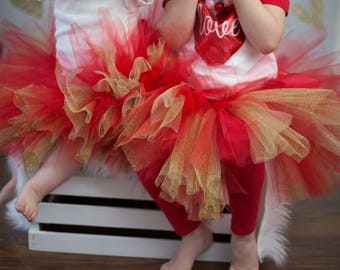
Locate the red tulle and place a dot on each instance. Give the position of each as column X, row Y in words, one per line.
column 32, row 115
column 128, row 98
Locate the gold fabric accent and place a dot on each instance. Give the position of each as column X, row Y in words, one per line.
column 269, row 133
column 313, row 16
column 35, row 131
column 206, row 164
column 155, row 51
column 176, row 168
column 31, row 7
column 319, row 107
column 166, row 111
column 79, row 107
column 36, row 153
column 194, row 167
column 8, row 133
column 192, row 174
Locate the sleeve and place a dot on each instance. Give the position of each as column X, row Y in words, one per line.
column 284, row 4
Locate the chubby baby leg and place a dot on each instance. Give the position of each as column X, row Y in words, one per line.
column 58, row 168
column 28, row 200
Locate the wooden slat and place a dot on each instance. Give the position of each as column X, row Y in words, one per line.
column 119, row 217
column 120, row 186
column 101, row 216
column 116, row 246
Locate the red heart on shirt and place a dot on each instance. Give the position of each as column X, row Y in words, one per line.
column 218, row 35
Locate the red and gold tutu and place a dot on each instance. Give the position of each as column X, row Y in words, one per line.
column 129, row 95
column 291, row 123
column 42, row 102
column 32, row 115
column 298, row 135
column 111, row 79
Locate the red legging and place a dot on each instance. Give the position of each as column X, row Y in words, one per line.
column 175, row 213
column 244, row 206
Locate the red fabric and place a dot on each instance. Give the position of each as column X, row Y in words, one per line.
column 218, row 33
column 31, row 114
column 243, row 179
column 245, row 206
column 230, row 130
column 175, row 213
column 217, row 46
column 284, row 4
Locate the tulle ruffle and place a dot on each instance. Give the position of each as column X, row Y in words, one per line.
column 291, row 122
column 42, row 102
column 279, row 125
column 112, row 78
column 32, row 115
column 128, row 97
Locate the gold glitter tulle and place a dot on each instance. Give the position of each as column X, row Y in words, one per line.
column 285, row 127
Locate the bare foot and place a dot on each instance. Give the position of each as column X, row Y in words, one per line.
column 8, row 192
column 191, row 247
column 28, row 200
column 244, row 252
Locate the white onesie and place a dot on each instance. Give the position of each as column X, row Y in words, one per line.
column 246, row 64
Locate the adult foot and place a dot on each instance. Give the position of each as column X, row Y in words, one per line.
column 191, row 247
column 244, row 252
column 28, row 200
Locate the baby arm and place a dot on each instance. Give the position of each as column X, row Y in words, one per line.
column 262, row 24
column 178, row 21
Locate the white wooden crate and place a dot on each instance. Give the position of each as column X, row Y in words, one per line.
column 106, row 216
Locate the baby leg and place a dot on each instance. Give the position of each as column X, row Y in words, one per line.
column 59, row 167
